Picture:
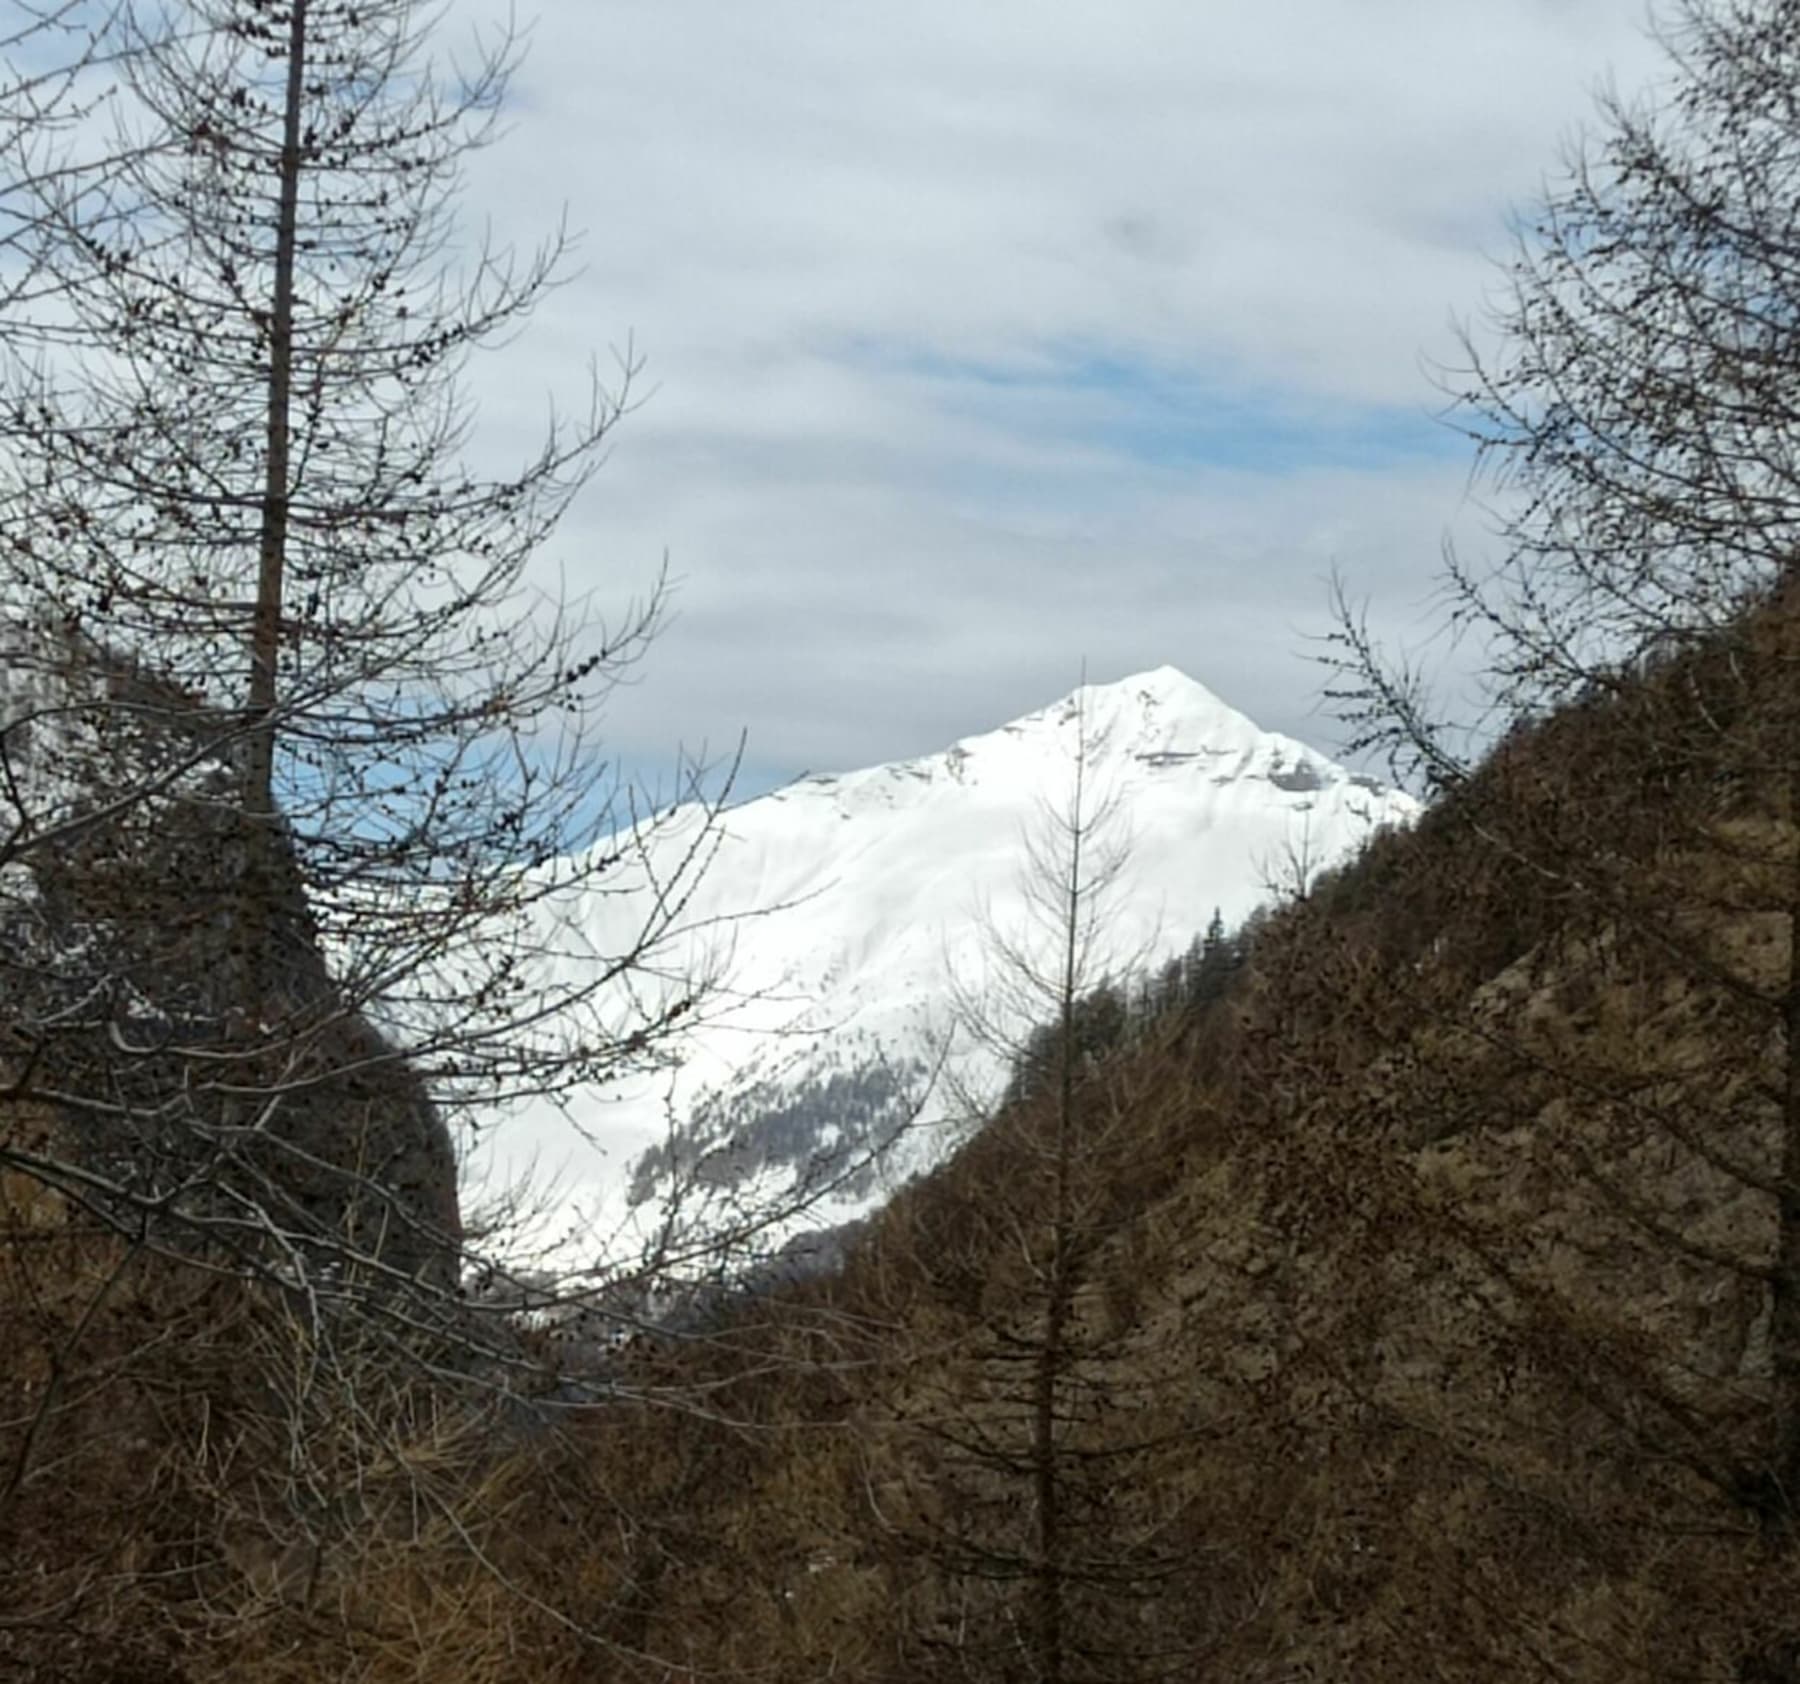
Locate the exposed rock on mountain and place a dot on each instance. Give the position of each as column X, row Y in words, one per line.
column 123, row 979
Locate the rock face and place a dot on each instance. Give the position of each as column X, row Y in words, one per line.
column 128, row 914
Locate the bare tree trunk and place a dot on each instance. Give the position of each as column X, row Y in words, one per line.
column 1046, row 1469
column 265, row 630
column 1052, row 1349
column 1784, row 1292
column 1047, row 1381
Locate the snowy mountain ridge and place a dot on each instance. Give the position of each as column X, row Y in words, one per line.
column 845, row 913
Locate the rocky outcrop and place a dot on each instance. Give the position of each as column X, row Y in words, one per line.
column 128, row 912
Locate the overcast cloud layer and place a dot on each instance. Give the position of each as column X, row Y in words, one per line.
column 986, row 338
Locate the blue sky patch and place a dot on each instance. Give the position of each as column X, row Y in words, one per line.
column 1168, row 418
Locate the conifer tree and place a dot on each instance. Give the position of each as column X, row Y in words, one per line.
column 303, row 818
column 1639, row 1028
column 243, row 519
column 1021, row 1508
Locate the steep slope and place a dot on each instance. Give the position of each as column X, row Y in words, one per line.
column 842, row 916
column 1430, row 1317
column 1436, row 1320
column 122, row 884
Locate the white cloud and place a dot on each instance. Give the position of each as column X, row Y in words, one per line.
column 830, row 224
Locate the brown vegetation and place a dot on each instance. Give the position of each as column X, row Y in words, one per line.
column 1436, row 1297
column 1424, row 1326
column 1423, row 1305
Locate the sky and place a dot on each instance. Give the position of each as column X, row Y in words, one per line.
column 984, row 340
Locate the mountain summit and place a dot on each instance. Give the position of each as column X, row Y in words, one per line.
column 844, row 914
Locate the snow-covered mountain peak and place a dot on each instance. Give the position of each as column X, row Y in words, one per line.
column 861, row 907
column 1158, row 722
column 1149, row 716
column 1153, row 700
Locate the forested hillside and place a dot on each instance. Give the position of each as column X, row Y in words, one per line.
column 1404, row 1284
column 1424, row 1292
column 1417, row 1292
